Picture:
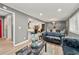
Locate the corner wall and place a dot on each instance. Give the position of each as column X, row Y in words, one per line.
column 59, row 25
column 21, row 25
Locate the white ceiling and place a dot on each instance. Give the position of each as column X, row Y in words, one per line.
column 3, row 13
column 49, row 10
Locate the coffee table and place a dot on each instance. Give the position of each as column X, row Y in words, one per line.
column 32, row 51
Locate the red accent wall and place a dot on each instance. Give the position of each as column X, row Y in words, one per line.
column 0, row 27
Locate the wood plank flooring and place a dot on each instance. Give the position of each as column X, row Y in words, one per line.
column 56, row 49
column 7, row 48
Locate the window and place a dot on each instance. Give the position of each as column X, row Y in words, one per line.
column 74, row 23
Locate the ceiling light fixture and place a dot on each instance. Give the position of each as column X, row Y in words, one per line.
column 41, row 14
column 59, row 10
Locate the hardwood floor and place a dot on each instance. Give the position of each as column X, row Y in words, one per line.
column 7, row 48
column 56, row 49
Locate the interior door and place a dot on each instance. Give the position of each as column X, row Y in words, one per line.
column 0, row 27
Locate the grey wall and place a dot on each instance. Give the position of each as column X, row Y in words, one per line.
column 76, row 36
column 67, row 27
column 20, row 21
column 59, row 25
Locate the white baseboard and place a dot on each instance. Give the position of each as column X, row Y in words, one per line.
column 21, row 43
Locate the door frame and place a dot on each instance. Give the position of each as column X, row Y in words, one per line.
column 13, row 24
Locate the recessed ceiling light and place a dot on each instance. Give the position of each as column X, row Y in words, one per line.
column 41, row 14
column 59, row 10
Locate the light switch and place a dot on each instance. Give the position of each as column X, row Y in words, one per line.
column 19, row 27
column 4, row 7
column 24, row 37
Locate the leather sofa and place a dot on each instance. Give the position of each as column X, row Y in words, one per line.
column 54, row 37
column 71, row 46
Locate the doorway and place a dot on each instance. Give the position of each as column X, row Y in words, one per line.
column 0, row 27
column 7, row 26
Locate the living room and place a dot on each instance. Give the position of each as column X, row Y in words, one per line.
column 39, row 29
column 59, row 35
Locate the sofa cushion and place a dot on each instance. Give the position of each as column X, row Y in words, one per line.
column 53, row 34
column 71, row 42
column 71, row 46
column 52, row 37
column 57, row 34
